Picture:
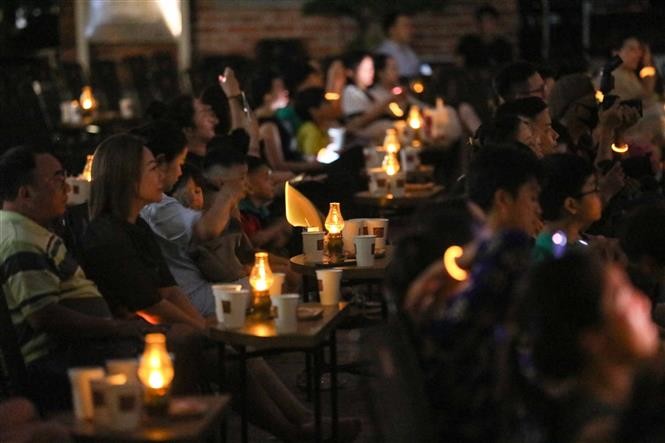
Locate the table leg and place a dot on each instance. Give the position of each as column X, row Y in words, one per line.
column 317, row 394
column 243, row 395
column 308, row 375
column 221, row 354
column 333, row 384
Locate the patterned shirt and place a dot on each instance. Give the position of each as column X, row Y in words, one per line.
column 36, row 270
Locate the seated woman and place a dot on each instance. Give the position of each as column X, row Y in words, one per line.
column 278, row 147
column 589, row 332
column 124, row 258
column 570, row 201
column 535, row 113
column 365, row 115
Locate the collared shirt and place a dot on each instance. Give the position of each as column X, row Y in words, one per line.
column 36, row 270
column 173, row 225
column 408, row 63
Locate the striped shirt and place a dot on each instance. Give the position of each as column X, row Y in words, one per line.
column 36, row 270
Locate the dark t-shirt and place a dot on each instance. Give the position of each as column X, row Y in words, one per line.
column 125, row 261
column 479, row 54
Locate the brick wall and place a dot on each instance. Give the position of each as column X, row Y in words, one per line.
column 234, row 27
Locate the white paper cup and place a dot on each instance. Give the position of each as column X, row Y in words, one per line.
column 123, row 405
column 128, row 367
column 379, row 228
column 352, row 228
column 234, row 306
column 378, row 181
column 329, row 285
column 217, row 291
column 373, row 157
column 410, row 158
column 365, row 250
column 277, row 283
column 79, row 190
column 286, row 312
column 312, row 245
column 81, row 393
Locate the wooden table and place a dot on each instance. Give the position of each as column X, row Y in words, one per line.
column 155, row 429
column 262, row 339
column 410, row 200
column 350, row 272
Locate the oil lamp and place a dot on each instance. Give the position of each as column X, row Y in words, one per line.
column 334, row 225
column 415, row 122
column 390, row 164
column 87, row 100
column 156, row 374
column 260, row 279
column 391, row 142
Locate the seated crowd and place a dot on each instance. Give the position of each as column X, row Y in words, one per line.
column 552, row 334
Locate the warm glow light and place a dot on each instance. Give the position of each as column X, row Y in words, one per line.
column 395, row 109
column 620, row 149
column 418, row 87
column 87, row 170
column 390, row 164
column 450, row 263
column 332, row 96
column 414, row 120
column 647, row 71
column 326, row 155
column 155, row 368
column 391, row 142
column 334, row 220
column 170, row 10
column 599, row 96
column 299, row 210
column 87, row 100
column 260, row 278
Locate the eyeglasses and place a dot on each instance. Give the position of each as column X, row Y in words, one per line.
column 595, row 190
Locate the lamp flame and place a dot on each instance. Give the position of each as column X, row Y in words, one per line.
column 260, row 278
column 390, row 164
column 414, row 120
column 391, row 142
column 87, row 100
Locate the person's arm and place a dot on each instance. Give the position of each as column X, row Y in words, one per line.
column 229, row 84
column 167, row 312
column 68, row 323
column 371, row 114
column 214, row 220
column 176, row 296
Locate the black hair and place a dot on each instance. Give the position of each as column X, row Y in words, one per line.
column 562, row 299
column 17, row 166
column 163, row 138
column 563, row 176
column 380, row 61
column 502, row 129
column 181, row 111
column 619, row 39
column 352, row 59
column 307, row 99
column 643, row 233
column 192, row 171
column 390, row 19
column 486, row 10
column 511, row 78
column 255, row 163
column 227, row 150
column 215, row 97
column 499, row 167
column 156, row 110
column 528, row 107
column 260, row 85
column 296, row 73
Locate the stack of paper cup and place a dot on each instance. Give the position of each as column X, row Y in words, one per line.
column 352, row 228
column 218, row 290
column 80, row 379
column 312, row 244
column 379, row 228
column 286, row 312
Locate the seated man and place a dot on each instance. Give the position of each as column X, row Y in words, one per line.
column 60, row 317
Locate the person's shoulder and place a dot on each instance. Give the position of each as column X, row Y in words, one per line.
column 386, row 46
column 103, row 230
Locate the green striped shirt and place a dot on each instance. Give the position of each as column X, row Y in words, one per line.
column 36, row 270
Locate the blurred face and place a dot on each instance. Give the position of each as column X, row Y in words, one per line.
column 47, row 198
column 389, row 76
column 524, row 132
column 204, row 121
column 191, row 195
column 402, row 30
column 235, row 176
column 632, row 335
column 534, row 87
column 544, row 133
column 364, row 74
column 260, row 184
column 488, row 25
column 523, row 211
column 172, row 170
column 150, row 186
column 279, row 95
column 589, row 206
column 630, row 53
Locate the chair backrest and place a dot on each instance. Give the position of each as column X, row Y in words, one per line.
column 14, row 374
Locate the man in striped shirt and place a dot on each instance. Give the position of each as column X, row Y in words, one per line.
column 60, row 318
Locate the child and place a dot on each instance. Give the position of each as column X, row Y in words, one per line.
column 316, row 115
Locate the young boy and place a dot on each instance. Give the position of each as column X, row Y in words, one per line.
column 316, row 113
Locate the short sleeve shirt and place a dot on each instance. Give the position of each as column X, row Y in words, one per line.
column 355, row 101
column 408, row 63
column 37, row 270
column 125, row 261
column 311, row 138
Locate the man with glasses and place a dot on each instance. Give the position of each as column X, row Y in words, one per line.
column 60, row 318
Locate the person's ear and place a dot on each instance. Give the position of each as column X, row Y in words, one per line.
column 24, row 192
column 503, row 200
column 570, row 205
